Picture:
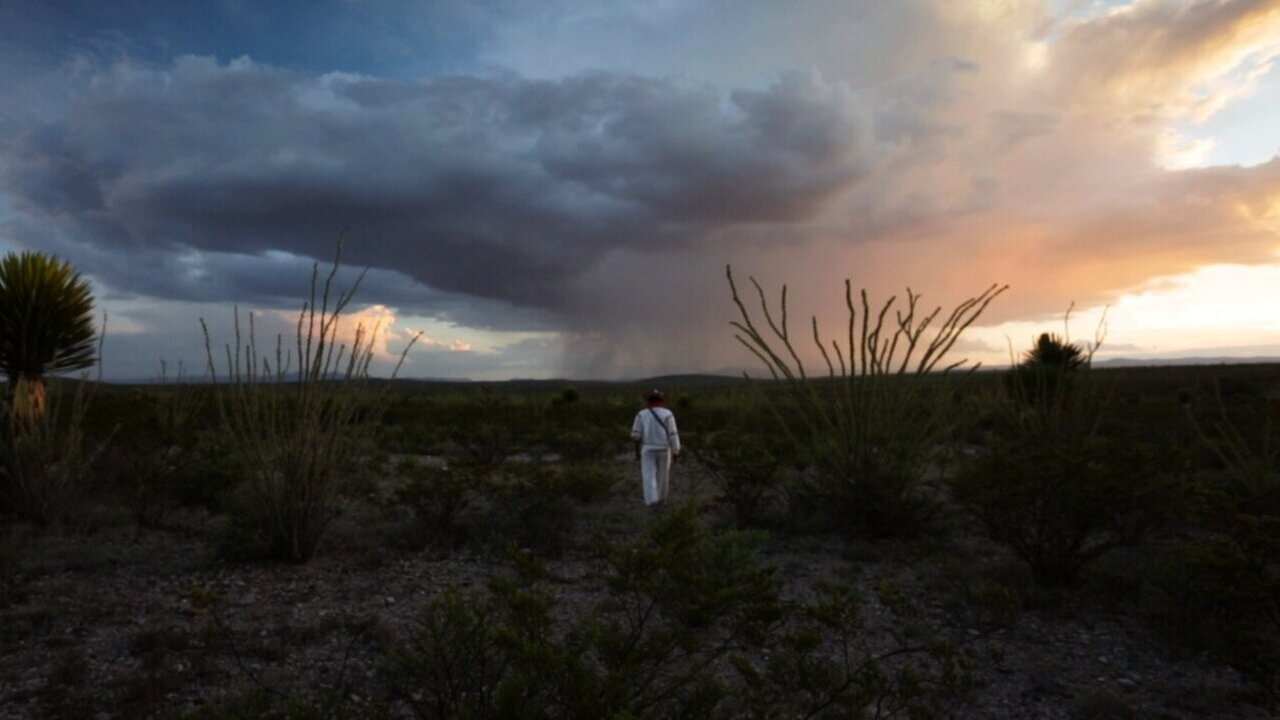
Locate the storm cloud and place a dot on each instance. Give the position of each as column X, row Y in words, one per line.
column 598, row 169
column 498, row 188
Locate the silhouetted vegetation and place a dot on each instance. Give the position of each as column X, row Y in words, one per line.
column 870, row 425
column 1149, row 492
column 46, row 327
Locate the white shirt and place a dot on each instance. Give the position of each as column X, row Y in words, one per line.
column 656, row 428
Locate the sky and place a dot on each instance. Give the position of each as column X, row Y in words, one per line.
column 555, row 189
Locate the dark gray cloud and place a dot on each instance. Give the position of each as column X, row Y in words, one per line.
column 500, row 188
column 601, row 191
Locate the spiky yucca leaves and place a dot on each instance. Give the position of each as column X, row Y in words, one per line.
column 1057, row 487
column 46, row 326
column 1048, row 369
column 1051, row 350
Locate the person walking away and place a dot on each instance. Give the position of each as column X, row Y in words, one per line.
column 657, row 447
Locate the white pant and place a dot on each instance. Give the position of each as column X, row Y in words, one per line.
column 655, row 473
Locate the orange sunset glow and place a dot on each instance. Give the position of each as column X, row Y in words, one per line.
column 556, row 192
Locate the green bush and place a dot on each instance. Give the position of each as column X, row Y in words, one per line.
column 691, row 626
column 585, row 444
column 1221, row 594
column 530, row 507
column 587, row 482
column 45, row 462
column 1224, row 583
column 533, row 505
column 440, row 499
column 208, row 472
column 820, row 664
column 152, row 459
column 746, row 471
column 1060, row 487
column 1061, row 504
column 679, row 600
column 490, row 428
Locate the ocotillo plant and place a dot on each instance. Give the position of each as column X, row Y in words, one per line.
column 296, row 433
column 869, row 419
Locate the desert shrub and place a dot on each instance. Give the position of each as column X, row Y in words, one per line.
column 454, row 664
column 1222, row 595
column 1101, row 704
column 979, row 592
column 538, row 506
column 45, row 461
column 1225, row 580
column 490, row 428
column 587, row 482
column 870, row 423
column 568, row 396
column 152, row 459
column 440, row 499
column 679, row 600
column 1060, row 504
column 1055, row 487
column 530, row 507
column 304, row 431
column 746, row 471
column 585, row 444
column 582, row 430
column 533, row 505
column 681, row 631
column 821, row 665
column 261, row 702
column 209, row 474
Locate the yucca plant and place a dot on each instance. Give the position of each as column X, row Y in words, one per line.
column 46, row 327
column 1053, row 351
column 1048, row 370
column 1056, row 486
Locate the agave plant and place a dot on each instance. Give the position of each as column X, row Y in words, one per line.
column 46, row 326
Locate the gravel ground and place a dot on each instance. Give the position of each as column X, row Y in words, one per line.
column 125, row 624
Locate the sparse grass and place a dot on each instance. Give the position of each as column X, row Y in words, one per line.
column 44, row 463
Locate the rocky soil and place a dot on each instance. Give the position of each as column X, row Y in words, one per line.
column 120, row 623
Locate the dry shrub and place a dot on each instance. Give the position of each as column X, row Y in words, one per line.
column 872, row 418
column 303, row 433
column 44, row 464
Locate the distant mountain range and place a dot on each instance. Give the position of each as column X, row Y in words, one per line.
column 1163, row 362
column 730, row 375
